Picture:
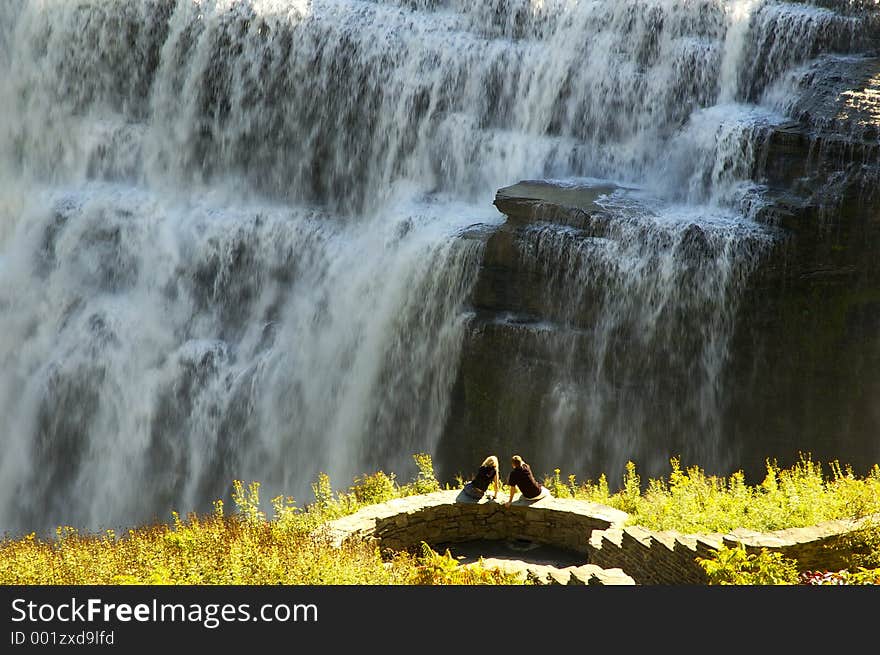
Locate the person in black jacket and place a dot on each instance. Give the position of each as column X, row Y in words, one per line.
column 521, row 476
column 486, row 475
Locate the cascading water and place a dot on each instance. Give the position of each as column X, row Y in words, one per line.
column 645, row 305
column 233, row 233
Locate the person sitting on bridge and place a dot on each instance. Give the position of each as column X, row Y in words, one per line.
column 521, row 476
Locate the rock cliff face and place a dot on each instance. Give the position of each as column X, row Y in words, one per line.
column 797, row 310
column 806, row 348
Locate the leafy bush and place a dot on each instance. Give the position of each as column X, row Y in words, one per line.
column 690, row 501
column 425, row 481
column 860, row 576
column 863, row 545
column 734, row 566
column 247, row 500
column 561, row 489
column 374, row 489
column 861, row 548
column 435, row 569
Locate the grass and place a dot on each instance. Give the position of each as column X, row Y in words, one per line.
column 690, row 501
column 243, row 548
column 246, row 547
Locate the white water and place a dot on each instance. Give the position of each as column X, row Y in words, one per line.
column 229, row 229
column 660, row 289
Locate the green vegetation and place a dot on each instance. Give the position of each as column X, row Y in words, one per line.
column 291, row 546
column 862, row 549
column 245, row 548
column 733, row 566
column 689, row 501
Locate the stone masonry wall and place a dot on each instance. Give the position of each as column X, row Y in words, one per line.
column 449, row 517
column 598, row 532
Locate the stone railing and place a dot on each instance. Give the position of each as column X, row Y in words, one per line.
column 596, row 531
column 449, row 517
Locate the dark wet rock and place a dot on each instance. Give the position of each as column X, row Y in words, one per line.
column 694, row 245
column 802, row 368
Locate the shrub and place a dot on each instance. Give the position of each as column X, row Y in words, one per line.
column 858, row 577
column 690, row 501
column 425, row 481
column 374, row 489
column 327, row 505
column 630, row 497
column 247, row 500
column 433, row 568
column 734, row 566
column 561, row 489
column 863, row 545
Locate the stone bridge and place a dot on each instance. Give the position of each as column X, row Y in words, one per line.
column 610, row 551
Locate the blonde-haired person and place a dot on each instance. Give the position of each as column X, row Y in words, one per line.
column 486, row 475
column 521, row 476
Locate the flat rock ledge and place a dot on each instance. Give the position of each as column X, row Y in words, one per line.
column 613, row 553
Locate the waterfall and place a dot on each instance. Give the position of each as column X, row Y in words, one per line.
column 234, row 234
column 646, row 301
